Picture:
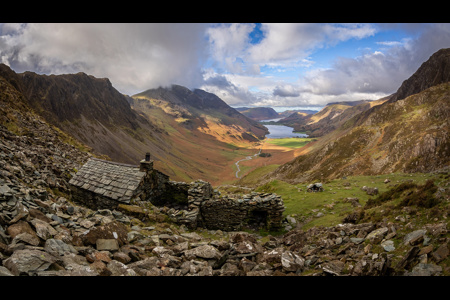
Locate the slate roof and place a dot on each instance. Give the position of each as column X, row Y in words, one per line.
column 109, row 179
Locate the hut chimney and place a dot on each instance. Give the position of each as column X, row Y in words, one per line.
column 146, row 164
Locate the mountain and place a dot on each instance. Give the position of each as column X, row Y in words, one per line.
column 434, row 71
column 405, row 135
column 175, row 131
column 259, row 113
column 291, row 112
column 329, row 118
column 202, row 111
column 88, row 108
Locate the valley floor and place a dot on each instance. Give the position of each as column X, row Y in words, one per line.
column 278, row 152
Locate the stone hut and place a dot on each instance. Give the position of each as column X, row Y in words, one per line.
column 104, row 184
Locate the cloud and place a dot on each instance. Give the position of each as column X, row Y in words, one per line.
column 228, row 43
column 286, row 91
column 224, row 86
column 134, row 56
column 287, row 43
column 241, row 63
column 379, row 72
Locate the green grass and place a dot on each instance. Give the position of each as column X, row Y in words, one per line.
column 290, row 142
column 330, row 205
column 253, row 177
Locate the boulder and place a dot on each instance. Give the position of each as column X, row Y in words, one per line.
column 43, row 229
column 28, row 262
column 377, row 235
column 291, row 262
column 113, row 230
column 107, row 244
column 205, row 251
column 58, row 247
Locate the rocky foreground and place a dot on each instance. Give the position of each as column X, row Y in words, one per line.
column 43, row 233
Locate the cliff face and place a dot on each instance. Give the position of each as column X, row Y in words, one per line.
column 68, row 97
column 434, row 71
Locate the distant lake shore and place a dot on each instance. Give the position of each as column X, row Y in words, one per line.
column 281, row 131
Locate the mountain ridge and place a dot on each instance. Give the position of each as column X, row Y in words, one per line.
column 405, row 135
column 95, row 113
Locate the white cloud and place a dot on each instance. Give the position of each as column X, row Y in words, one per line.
column 134, row 56
column 239, row 69
column 288, row 43
column 228, row 44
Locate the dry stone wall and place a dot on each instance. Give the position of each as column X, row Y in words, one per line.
column 206, row 208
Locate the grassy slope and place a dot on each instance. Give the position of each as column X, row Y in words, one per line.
column 331, row 203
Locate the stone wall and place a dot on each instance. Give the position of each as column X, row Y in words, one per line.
column 92, row 200
column 257, row 210
column 152, row 188
column 208, row 209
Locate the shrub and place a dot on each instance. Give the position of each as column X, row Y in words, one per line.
column 423, row 197
column 391, row 194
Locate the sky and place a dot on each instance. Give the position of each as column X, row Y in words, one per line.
column 279, row 65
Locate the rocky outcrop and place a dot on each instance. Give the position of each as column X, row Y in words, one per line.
column 434, row 71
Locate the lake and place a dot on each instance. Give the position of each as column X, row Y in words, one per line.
column 281, row 131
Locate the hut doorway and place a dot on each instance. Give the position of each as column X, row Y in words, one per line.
column 257, row 219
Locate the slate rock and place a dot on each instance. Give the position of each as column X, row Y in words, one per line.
column 388, row 245
column 5, row 272
column 441, row 253
column 27, row 262
column 113, row 230
column 119, row 269
column 43, row 229
column 413, row 235
column 58, row 247
column 19, row 227
column 27, row 238
column 377, row 235
column 205, row 251
column 291, row 262
column 422, row 269
column 107, row 244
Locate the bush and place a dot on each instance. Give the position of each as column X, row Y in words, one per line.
column 391, row 194
column 423, row 197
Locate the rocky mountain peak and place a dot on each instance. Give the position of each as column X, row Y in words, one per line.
column 434, row 71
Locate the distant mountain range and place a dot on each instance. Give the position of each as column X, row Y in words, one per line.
column 268, row 113
column 329, row 118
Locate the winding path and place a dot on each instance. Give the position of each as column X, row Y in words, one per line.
column 244, row 159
